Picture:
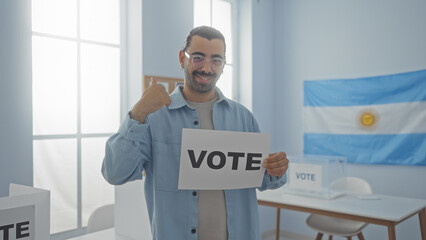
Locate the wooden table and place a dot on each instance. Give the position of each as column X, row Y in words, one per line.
column 384, row 210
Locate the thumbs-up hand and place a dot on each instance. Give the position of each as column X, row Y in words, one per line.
column 153, row 98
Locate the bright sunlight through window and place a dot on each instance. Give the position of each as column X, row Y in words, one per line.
column 76, row 103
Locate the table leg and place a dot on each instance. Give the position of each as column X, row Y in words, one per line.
column 391, row 232
column 422, row 220
column 319, row 236
column 277, row 227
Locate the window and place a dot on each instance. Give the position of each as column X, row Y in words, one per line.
column 76, row 103
column 220, row 15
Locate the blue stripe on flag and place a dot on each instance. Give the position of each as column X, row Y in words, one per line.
column 403, row 87
column 369, row 149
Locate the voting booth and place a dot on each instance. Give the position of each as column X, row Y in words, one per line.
column 316, row 176
column 25, row 214
column 131, row 213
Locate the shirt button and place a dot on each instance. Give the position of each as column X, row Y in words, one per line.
column 195, row 122
column 193, row 230
column 194, row 193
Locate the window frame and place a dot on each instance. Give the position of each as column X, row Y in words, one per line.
column 78, row 136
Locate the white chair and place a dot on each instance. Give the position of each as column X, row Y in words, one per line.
column 102, row 218
column 337, row 226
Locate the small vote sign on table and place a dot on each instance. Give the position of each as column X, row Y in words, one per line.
column 306, row 176
column 212, row 159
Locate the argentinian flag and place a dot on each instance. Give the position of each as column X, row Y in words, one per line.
column 374, row 120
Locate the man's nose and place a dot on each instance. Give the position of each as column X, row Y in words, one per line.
column 207, row 66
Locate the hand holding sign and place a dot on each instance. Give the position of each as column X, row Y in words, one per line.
column 276, row 164
column 153, row 98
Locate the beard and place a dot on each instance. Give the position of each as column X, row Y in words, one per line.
column 198, row 86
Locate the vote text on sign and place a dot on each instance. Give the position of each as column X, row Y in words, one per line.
column 212, row 159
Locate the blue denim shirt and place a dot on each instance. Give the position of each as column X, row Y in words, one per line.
column 155, row 146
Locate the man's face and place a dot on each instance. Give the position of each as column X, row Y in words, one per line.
column 202, row 78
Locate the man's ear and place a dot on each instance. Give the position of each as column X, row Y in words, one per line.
column 182, row 59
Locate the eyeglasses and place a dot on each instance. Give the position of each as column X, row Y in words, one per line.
column 199, row 60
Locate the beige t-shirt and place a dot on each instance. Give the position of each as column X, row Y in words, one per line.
column 211, row 203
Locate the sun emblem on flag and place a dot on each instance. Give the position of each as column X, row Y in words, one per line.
column 368, row 119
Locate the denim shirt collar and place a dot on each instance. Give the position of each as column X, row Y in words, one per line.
column 179, row 101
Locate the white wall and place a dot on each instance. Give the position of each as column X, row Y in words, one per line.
column 165, row 25
column 344, row 39
column 263, row 96
column 15, row 95
column 133, row 61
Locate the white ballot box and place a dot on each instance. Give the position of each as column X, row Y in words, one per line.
column 316, row 176
column 25, row 214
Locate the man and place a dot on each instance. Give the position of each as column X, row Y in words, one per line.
column 150, row 139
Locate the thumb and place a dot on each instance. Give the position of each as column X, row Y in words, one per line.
column 153, row 81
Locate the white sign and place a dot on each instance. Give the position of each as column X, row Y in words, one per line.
column 17, row 223
column 212, row 159
column 305, row 176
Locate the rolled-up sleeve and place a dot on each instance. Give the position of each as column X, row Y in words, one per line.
column 272, row 182
column 126, row 152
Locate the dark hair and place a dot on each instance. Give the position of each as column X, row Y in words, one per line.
column 205, row 32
